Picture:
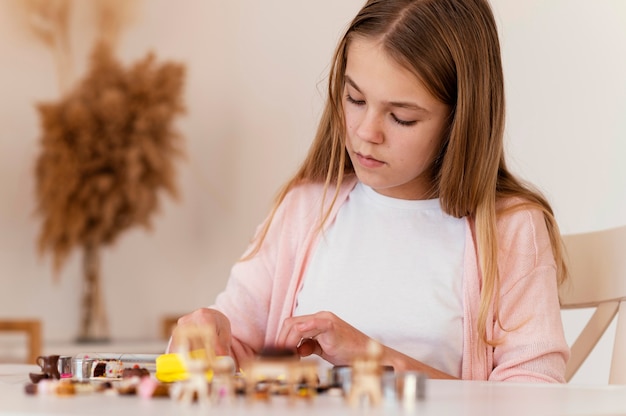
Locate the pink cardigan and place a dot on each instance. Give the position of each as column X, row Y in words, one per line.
column 261, row 292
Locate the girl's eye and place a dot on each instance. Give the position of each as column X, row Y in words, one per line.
column 393, row 116
column 402, row 122
column 353, row 101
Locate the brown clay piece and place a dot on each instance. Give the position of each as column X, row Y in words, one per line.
column 37, row 377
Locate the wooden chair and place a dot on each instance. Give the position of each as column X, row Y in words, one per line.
column 597, row 262
column 168, row 323
column 32, row 328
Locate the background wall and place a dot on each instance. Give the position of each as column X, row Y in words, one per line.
column 255, row 86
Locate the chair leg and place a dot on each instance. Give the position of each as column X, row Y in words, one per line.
column 588, row 338
column 618, row 361
column 35, row 341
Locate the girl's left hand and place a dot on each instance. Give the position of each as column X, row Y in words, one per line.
column 323, row 334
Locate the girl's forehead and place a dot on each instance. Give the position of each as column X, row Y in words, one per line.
column 374, row 49
column 368, row 62
column 371, row 70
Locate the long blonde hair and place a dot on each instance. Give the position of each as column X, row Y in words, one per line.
column 452, row 46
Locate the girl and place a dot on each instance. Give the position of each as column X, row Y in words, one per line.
column 403, row 224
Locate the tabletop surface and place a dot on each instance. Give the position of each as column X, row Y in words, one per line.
column 443, row 397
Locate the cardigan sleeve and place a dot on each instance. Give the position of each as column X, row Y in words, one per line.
column 245, row 302
column 530, row 343
column 260, row 290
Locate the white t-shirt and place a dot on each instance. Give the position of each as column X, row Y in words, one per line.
column 393, row 268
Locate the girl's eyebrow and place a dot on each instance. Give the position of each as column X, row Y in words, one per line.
column 401, row 104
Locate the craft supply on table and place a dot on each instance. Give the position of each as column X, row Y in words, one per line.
column 272, row 374
column 109, row 365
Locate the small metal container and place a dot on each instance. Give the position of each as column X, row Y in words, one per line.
column 341, row 376
column 411, row 387
column 81, row 367
column 66, row 366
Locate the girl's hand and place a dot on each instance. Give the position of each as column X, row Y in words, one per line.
column 323, row 334
column 209, row 318
column 337, row 342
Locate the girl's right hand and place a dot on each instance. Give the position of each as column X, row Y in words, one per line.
column 205, row 317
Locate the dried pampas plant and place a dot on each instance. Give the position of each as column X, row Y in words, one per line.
column 49, row 22
column 108, row 148
column 112, row 16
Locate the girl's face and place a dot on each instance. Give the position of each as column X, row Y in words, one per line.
column 394, row 125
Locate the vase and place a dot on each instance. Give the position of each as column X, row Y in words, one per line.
column 94, row 326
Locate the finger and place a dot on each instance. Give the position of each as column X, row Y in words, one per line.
column 214, row 326
column 290, row 338
column 306, row 326
column 223, row 339
column 289, row 334
column 308, row 346
column 320, row 322
column 201, row 316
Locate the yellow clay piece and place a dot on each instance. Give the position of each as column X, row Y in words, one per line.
column 170, row 367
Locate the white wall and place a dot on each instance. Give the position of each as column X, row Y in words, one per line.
column 256, row 79
column 564, row 63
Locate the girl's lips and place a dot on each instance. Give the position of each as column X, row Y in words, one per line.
column 368, row 162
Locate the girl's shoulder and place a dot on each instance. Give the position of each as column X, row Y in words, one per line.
column 522, row 232
column 517, row 213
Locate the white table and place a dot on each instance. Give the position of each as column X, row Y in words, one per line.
column 442, row 398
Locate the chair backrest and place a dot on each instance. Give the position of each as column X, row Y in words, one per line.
column 32, row 329
column 597, row 265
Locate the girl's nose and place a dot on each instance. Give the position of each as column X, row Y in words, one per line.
column 370, row 127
